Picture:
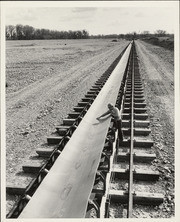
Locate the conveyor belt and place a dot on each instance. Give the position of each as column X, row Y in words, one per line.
column 65, row 191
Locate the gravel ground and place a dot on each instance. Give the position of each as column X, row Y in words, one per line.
column 157, row 71
column 46, row 79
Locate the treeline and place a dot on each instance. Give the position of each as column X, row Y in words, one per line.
column 134, row 35
column 157, row 33
column 26, row 32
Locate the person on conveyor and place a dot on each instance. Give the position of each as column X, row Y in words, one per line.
column 114, row 112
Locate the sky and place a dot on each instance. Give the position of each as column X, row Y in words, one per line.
column 96, row 19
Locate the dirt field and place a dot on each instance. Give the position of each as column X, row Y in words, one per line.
column 165, row 42
column 157, row 70
column 46, row 79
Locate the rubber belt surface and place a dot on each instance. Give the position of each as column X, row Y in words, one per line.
column 65, row 190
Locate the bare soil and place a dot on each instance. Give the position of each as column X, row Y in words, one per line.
column 157, row 71
column 165, row 42
column 46, row 79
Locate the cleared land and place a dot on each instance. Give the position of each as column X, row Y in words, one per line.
column 46, row 79
column 157, row 70
column 165, row 42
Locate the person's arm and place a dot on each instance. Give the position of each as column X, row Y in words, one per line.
column 104, row 114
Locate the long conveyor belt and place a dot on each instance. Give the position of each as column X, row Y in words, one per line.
column 65, row 191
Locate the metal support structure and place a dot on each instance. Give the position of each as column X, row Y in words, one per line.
column 130, row 199
column 92, row 204
column 134, row 119
column 65, row 191
column 105, row 203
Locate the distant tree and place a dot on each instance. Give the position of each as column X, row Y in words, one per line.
column 37, row 34
column 134, row 35
column 73, row 34
column 28, row 32
column 44, row 33
column 145, row 34
column 70, row 34
column 129, row 35
column 8, row 36
column 79, row 34
column 160, row 33
column 85, row 34
column 19, row 32
column 121, row 36
column 10, row 32
column 65, row 35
